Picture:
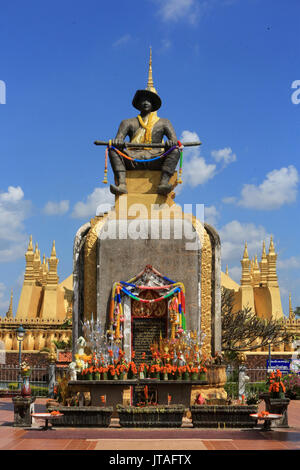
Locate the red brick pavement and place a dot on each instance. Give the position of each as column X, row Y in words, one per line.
column 116, row 438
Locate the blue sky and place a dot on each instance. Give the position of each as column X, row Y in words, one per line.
column 224, row 70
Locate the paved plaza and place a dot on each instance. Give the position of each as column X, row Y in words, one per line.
column 116, row 438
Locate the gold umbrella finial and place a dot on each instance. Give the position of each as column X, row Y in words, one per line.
column 150, row 84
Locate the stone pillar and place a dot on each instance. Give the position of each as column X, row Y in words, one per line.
column 78, row 282
column 51, row 379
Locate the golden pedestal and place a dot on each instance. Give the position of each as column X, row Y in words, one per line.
column 142, row 200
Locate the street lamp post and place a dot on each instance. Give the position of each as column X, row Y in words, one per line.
column 269, row 342
column 20, row 338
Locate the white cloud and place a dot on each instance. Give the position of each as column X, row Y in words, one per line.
column 179, row 10
column 13, row 195
column 122, row 40
column 13, row 211
column 56, row 208
column 211, row 215
column 196, row 170
column 229, row 200
column 279, row 188
column 3, row 303
column 188, row 10
column 291, row 263
column 224, row 155
column 165, row 45
column 234, row 235
column 100, row 200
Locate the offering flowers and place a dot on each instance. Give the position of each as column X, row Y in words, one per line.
column 276, row 386
column 25, row 369
column 263, row 414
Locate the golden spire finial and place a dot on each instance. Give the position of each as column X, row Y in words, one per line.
column 264, row 253
column 9, row 313
column 271, row 248
column 150, row 84
column 272, row 272
column 30, row 246
column 291, row 312
column 246, row 264
column 226, row 272
column 245, row 255
column 53, row 252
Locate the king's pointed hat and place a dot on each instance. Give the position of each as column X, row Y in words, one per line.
column 149, row 93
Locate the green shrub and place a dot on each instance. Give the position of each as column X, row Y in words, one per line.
column 232, row 389
column 36, row 390
column 256, row 387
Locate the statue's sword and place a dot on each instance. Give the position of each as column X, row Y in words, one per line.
column 144, row 145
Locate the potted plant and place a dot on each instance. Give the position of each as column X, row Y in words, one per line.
column 216, row 370
column 276, row 386
column 25, row 373
column 112, row 373
column 155, row 371
column 194, row 373
column 202, row 373
column 97, row 373
column 275, row 400
column 292, row 385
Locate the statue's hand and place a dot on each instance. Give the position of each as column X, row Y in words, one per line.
column 117, row 143
column 171, row 143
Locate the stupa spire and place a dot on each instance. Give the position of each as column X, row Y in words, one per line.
column 245, row 262
column 291, row 312
column 44, row 271
column 29, row 269
column 272, row 257
column 52, row 278
column 245, row 255
column 37, row 263
column 9, row 313
column 263, row 266
column 256, row 272
column 53, row 251
column 30, row 245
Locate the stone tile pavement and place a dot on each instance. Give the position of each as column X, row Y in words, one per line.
column 116, row 438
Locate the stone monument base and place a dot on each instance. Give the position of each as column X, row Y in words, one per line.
column 23, row 407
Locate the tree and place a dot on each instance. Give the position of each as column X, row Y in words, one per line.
column 241, row 329
column 297, row 312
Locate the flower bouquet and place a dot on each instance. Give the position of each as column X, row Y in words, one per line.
column 25, row 369
column 276, row 386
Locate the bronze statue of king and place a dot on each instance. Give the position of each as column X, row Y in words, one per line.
column 146, row 128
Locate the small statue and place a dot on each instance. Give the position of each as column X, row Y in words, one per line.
column 81, row 343
column 146, row 128
column 72, row 370
column 181, row 359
